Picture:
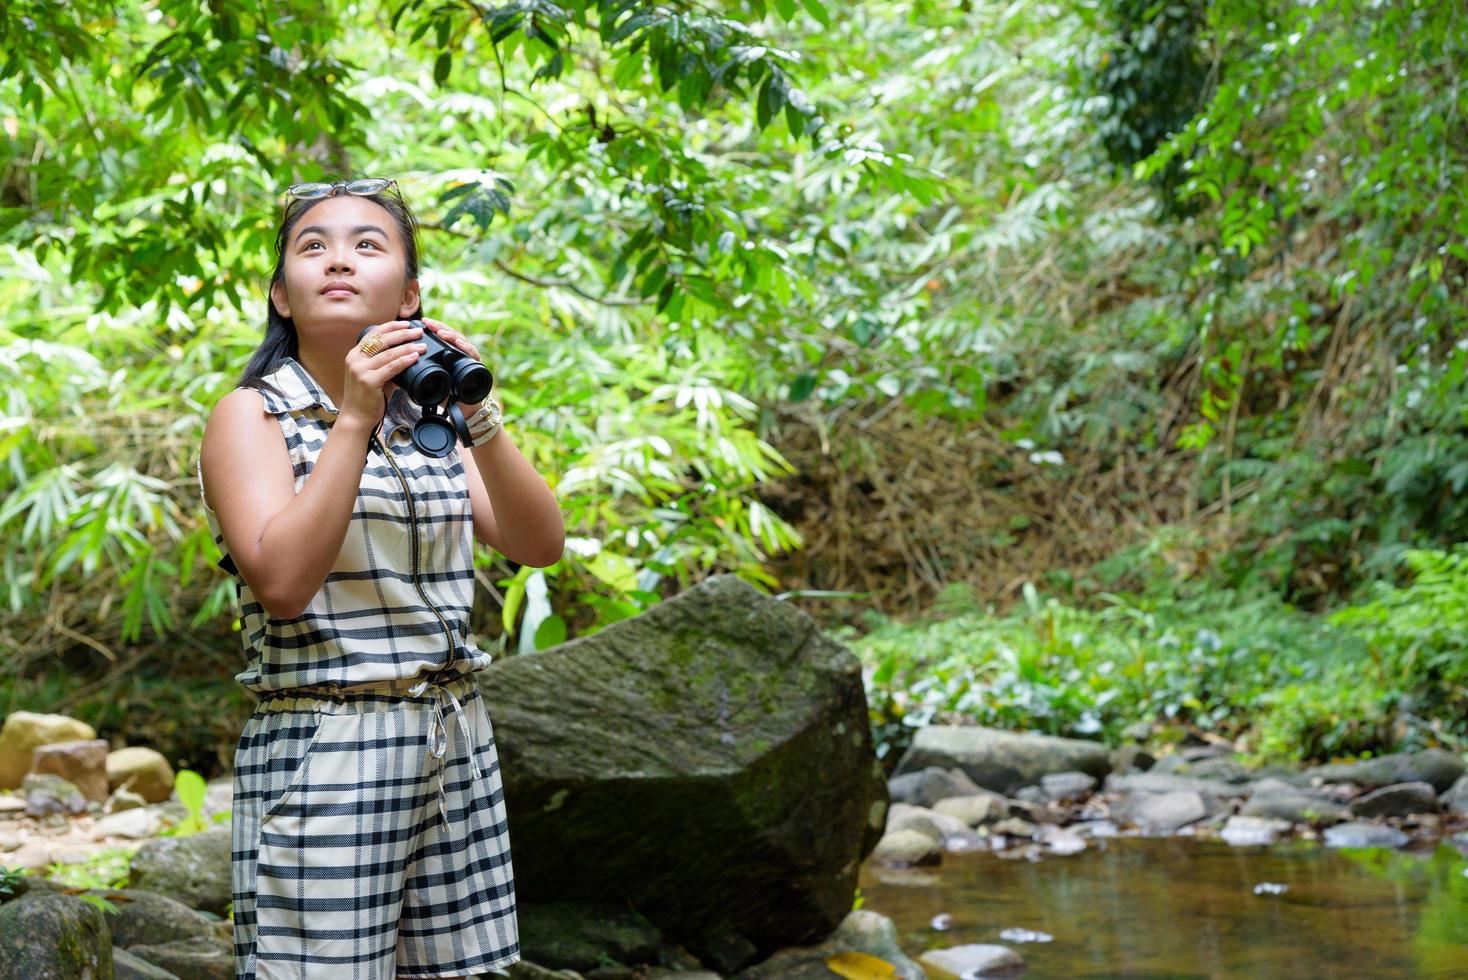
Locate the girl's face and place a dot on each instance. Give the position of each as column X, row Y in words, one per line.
column 345, row 265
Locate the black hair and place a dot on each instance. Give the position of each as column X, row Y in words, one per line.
column 281, row 341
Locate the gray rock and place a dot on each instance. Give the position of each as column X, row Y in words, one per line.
column 1455, row 800
column 1095, row 828
column 82, row 762
column 1219, row 768
column 1067, row 785
column 1436, row 766
column 927, row 787
column 1125, row 758
column 1364, row 835
column 1030, row 794
column 975, row 960
column 949, row 832
column 582, row 935
column 122, row 800
column 46, row 935
column 722, row 742
column 906, row 848
column 1015, row 827
column 862, row 931
column 193, row 869
column 1002, row 761
column 975, row 809
column 1278, row 800
column 126, row 966
column 1241, row 831
column 1159, row 782
column 1400, row 800
column 1162, row 813
column 145, row 918
column 525, row 970
column 200, row 958
column 137, row 824
column 1061, row 841
column 47, row 793
column 935, row 825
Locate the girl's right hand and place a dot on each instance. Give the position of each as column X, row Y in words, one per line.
column 362, row 399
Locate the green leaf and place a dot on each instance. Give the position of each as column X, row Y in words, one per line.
column 551, row 632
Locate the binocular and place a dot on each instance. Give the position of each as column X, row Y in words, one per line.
column 441, row 377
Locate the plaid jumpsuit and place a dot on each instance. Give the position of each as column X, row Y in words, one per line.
column 369, row 830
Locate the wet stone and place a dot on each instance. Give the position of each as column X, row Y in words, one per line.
column 1400, row 800
column 1364, row 835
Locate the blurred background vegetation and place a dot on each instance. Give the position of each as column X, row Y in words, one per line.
column 1087, row 364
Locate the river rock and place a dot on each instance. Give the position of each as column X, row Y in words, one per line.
column 143, row 770
column 138, row 824
column 582, row 935
column 930, row 785
column 126, row 966
column 1002, row 761
column 975, row 960
column 1279, row 800
column 939, row 826
column 906, row 848
column 1455, row 800
column 145, row 918
column 1364, row 835
column 862, row 931
column 1162, row 813
column 1067, row 785
column 722, row 742
column 1241, row 831
column 24, row 731
column 1219, row 768
column 1161, row 782
column 83, row 763
column 975, row 809
column 47, row 935
column 124, row 799
column 193, row 869
column 1125, row 758
column 199, row 958
column 1436, row 766
column 47, row 793
column 1400, row 800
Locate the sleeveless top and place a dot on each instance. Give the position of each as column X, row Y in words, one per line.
column 396, row 601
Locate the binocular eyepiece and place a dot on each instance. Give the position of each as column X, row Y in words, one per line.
column 441, row 374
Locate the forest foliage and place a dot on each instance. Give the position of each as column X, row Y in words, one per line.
column 1149, row 299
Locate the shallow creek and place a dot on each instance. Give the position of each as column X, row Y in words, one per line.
column 1178, row 907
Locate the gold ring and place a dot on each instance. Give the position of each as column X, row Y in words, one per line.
column 372, row 346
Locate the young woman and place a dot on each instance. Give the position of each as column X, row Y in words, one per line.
column 369, row 833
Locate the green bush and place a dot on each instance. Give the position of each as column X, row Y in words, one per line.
column 1285, row 684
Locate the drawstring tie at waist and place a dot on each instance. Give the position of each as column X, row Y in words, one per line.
column 438, row 735
column 436, row 685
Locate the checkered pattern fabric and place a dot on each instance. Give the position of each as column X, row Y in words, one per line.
column 369, row 831
column 373, row 617
column 343, row 865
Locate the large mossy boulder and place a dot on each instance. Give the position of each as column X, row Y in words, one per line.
column 1002, row 761
column 708, row 762
column 46, row 935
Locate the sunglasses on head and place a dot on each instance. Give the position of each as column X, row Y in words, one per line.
column 363, row 187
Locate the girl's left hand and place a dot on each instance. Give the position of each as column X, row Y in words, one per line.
column 456, row 340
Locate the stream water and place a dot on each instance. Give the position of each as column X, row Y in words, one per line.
column 1176, row 907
